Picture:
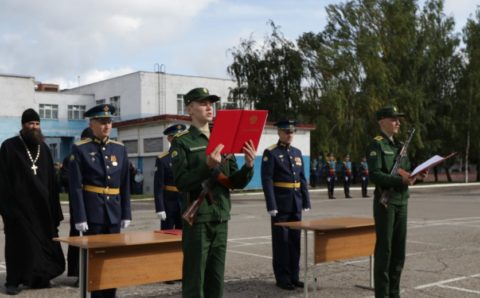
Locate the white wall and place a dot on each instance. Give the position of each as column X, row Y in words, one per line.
column 127, row 87
column 16, row 95
column 63, row 101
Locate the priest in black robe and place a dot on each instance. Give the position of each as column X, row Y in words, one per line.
column 30, row 209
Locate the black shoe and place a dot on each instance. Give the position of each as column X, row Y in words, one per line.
column 13, row 290
column 298, row 284
column 332, row 198
column 348, row 197
column 286, row 286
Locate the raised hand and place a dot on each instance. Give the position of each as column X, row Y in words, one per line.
column 249, row 150
column 215, row 158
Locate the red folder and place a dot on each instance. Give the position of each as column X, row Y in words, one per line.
column 233, row 128
column 176, row 232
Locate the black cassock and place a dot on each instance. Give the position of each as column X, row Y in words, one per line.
column 31, row 212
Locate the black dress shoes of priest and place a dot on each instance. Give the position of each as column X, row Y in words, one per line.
column 290, row 286
column 286, row 286
column 13, row 290
column 298, row 284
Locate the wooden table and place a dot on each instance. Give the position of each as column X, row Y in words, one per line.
column 337, row 239
column 126, row 259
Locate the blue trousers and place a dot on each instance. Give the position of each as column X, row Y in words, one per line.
column 286, row 248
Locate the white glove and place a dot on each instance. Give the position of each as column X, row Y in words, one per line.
column 81, row 226
column 125, row 223
column 273, row 212
column 306, row 209
column 162, row 215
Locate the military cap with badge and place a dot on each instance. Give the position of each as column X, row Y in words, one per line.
column 199, row 94
column 388, row 112
column 101, row 111
column 286, row 125
column 174, row 129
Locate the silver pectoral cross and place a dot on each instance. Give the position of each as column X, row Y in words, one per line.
column 34, row 169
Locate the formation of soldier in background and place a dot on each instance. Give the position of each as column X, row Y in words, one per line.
column 332, row 170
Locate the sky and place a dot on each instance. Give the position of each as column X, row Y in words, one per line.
column 72, row 42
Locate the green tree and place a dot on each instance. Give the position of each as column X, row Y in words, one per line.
column 468, row 105
column 269, row 76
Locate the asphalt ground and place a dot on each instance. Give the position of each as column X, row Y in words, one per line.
column 443, row 248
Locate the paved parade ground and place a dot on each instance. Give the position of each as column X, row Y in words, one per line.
column 443, row 248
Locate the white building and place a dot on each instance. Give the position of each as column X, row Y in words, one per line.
column 146, row 102
column 61, row 114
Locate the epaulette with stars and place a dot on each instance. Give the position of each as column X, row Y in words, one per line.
column 179, row 134
column 272, row 147
column 162, row 155
column 378, row 138
column 115, row 142
column 83, row 141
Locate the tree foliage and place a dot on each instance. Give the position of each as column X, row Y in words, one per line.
column 370, row 53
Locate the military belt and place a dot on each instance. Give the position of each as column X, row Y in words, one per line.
column 287, row 184
column 171, row 188
column 102, row 190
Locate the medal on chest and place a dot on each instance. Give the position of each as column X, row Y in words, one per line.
column 113, row 158
column 298, row 161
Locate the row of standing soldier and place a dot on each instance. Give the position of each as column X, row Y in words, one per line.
column 98, row 182
column 333, row 170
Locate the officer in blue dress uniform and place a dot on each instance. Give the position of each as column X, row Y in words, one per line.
column 347, row 176
column 99, row 181
column 331, row 175
column 286, row 195
column 167, row 197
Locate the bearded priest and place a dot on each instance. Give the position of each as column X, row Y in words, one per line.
column 30, row 208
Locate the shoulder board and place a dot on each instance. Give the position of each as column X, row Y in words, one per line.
column 162, row 155
column 181, row 133
column 378, row 138
column 115, row 142
column 272, row 147
column 84, row 141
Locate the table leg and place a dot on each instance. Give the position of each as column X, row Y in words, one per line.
column 371, row 272
column 83, row 273
column 305, row 288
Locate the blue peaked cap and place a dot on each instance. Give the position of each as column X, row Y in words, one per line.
column 101, row 111
column 174, row 129
column 286, row 124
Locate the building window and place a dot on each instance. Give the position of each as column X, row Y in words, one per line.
column 100, row 101
column 115, row 101
column 76, row 112
column 181, row 110
column 131, row 146
column 48, row 111
column 152, row 145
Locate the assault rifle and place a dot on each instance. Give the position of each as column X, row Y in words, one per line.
column 396, row 170
column 207, row 187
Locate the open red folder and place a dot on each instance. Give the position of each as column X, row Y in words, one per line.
column 233, row 128
column 430, row 163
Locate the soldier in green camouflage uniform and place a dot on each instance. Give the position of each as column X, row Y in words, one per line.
column 390, row 221
column 205, row 242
